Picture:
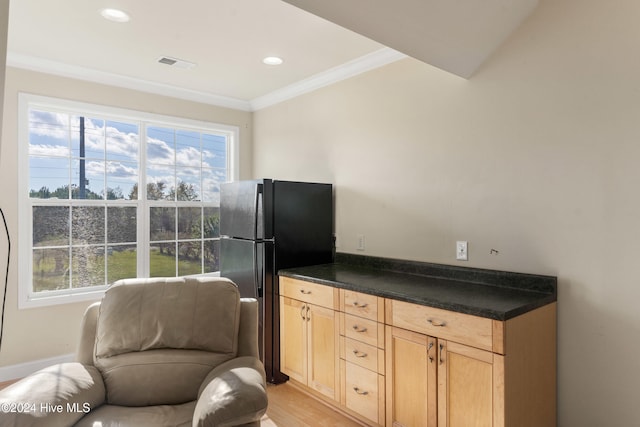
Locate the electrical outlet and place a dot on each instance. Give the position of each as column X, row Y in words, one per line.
column 462, row 252
column 360, row 242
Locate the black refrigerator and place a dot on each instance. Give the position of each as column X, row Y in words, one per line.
column 267, row 225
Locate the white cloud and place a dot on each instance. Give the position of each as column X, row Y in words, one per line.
column 159, row 151
column 122, row 144
column 48, row 150
column 120, row 170
column 54, row 125
column 189, row 156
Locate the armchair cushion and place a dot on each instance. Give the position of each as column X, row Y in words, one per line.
column 157, row 377
column 55, row 396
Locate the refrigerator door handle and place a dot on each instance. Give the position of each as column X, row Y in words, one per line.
column 256, row 216
column 257, row 281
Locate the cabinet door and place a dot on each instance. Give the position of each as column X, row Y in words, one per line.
column 466, row 386
column 293, row 339
column 411, row 378
column 322, row 350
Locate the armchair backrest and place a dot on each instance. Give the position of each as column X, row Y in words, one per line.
column 178, row 313
column 155, row 340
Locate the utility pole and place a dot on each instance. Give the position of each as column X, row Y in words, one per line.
column 82, row 186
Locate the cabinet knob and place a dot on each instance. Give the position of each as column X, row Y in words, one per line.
column 359, row 353
column 362, row 392
column 437, row 323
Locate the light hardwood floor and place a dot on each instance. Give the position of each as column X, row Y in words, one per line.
column 289, row 407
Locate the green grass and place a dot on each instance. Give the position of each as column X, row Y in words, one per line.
column 122, row 264
column 162, row 265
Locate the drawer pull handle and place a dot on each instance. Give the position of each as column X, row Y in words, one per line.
column 437, row 323
column 359, row 353
column 302, row 312
column 304, row 291
column 362, row 392
column 356, row 304
column 429, row 352
column 359, row 329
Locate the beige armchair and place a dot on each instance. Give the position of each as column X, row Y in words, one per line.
column 153, row 352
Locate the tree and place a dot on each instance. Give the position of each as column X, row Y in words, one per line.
column 184, row 192
column 43, row 193
column 114, row 193
column 155, row 191
column 62, row 192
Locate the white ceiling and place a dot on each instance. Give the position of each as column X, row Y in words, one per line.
column 454, row 35
column 227, row 39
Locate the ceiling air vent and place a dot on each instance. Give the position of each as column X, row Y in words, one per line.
column 174, row 62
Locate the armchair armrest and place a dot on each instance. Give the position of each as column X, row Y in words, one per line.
column 84, row 352
column 233, row 393
column 57, row 395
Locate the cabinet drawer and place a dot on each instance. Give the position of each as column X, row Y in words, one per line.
column 308, row 292
column 363, row 305
column 462, row 328
column 364, row 391
column 364, row 330
column 361, row 354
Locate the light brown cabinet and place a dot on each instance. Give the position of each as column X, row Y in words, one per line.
column 435, row 383
column 470, row 371
column 411, row 378
column 468, row 383
column 309, row 336
column 362, row 355
column 399, row 364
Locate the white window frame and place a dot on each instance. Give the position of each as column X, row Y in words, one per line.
column 27, row 298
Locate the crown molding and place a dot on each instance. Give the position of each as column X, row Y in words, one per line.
column 96, row 76
column 349, row 69
column 333, row 75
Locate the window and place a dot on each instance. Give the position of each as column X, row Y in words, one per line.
column 107, row 194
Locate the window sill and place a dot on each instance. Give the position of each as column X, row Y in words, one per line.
column 46, row 299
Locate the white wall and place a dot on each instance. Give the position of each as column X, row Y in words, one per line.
column 4, row 28
column 536, row 156
column 41, row 333
column 4, row 239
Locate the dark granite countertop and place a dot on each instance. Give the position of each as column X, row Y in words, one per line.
column 492, row 294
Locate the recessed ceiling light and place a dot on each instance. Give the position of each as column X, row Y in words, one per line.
column 272, row 60
column 115, row 15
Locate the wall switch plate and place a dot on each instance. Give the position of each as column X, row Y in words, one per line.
column 462, row 252
column 360, row 242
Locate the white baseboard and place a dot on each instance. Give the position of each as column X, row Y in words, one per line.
column 21, row 370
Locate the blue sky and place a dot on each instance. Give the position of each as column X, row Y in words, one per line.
column 112, row 155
